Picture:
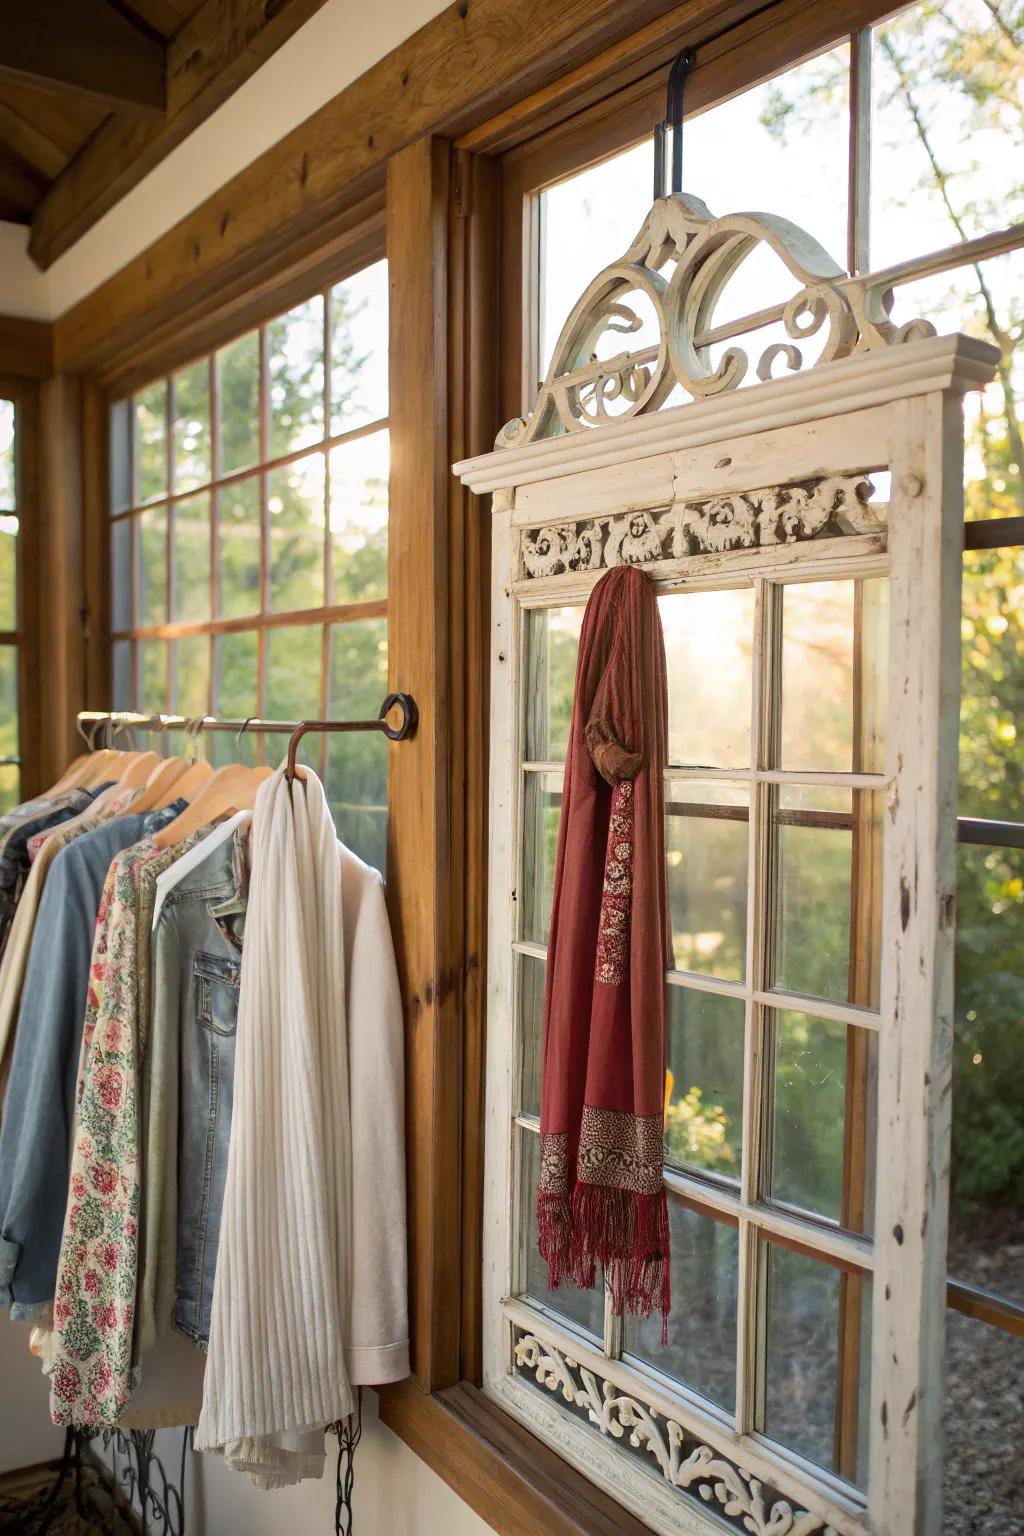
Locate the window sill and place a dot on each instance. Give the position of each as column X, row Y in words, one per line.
column 510, row 1478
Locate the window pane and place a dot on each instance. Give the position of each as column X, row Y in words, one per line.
column 706, row 833
column 151, row 581
column 8, row 571
column 120, row 455
column 124, row 697
column 359, row 349
column 294, row 666
column 121, row 573
column 236, row 666
column 987, row 1234
column 984, row 1429
column 238, row 397
column 708, row 644
column 8, row 490
column 10, row 787
column 822, row 919
column 151, row 442
column 359, row 518
column 8, row 701
column 192, row 676
column 811, row 1307
column 295, row 365
column 948, row 144
column 531, row 1026
column 357, row 764
column 191, row 395
column 192, row 559
column 295, row 518
column 542, row 807
column 828, row 722
column 701, row 1349
column 552, row 643
column 704, row 1087
column 238, row 549
column 991, row 696
column 152, row 678
column 584, row 1308
column 825, row 1080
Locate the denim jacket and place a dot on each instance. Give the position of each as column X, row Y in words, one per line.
column 187, row 1093
column 35, row 1138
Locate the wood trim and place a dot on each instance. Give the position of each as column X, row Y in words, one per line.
column 514, row 1481
column 60, row 572
column 469, row 62
column 96, row 564
column 428, row 953
column 26, row 347
column 215, row 52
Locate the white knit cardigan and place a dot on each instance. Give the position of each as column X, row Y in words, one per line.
column 286, row 1342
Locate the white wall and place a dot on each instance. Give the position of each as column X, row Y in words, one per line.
column 338, row 44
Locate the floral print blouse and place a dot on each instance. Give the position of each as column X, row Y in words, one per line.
column 94, row 1308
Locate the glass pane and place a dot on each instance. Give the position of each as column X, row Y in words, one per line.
column 151, row 578
column 984, row 1429
column 359, row 349
column 947, row 158
column 812, row 1308
column 121, row 573
column 704, row 1081
column 586, row 222
column 987, row 1231
column 120, row 456
column 991, row 692
column 584, row 1308
column 825, row 1080
column 10, row 787
column 706, row 834
column 238, row 549
column 191, row 395
column 357, row 765
column 238, row 403
column 8, row 571
column 542, row 808
column 192, row 559
column 295, row 518
column 708, row 644
column 152, row 678
column 294, row 668
column 295, row 366
column 701, row 1349
column 829, row 721
column 192, row 676
column 8, row 701
column 124, row 697
column 359, row 518
column 531, row 1025
column 828, row 933
column 236, row 667
column 8, row 489
column 552, row 643
column 151, row 442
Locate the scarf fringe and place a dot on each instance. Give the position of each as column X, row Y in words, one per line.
column 626, row 1234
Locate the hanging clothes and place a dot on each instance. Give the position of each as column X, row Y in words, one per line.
column 15, row 833
column 601, row 1199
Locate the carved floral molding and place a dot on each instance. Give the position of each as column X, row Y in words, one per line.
column 832, row 506
column 682, row 261
column 694, row 1468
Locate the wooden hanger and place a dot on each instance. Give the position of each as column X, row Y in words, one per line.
column 160, row 784
column 229, row 790
column 92, row 768
column 188, row 786
column 138, row 770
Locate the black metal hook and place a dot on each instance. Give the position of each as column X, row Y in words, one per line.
column 682, row 64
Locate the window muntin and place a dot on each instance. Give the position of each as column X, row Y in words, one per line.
column 249, row 542
column 10, row 773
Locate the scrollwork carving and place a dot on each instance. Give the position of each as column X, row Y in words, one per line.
column 704, row 252
column 831, row 506
column 695, row 1469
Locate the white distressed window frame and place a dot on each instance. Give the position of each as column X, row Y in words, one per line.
column 896, row 407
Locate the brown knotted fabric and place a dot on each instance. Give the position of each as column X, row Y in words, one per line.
column 602, row 1198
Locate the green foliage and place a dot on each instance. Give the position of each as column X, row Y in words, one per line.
column 695, row 1133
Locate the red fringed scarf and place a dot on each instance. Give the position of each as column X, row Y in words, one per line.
column 602, row 1197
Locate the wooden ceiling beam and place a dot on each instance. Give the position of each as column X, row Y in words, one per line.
column 215, row 51
column 30, row 143
column 82, row 46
